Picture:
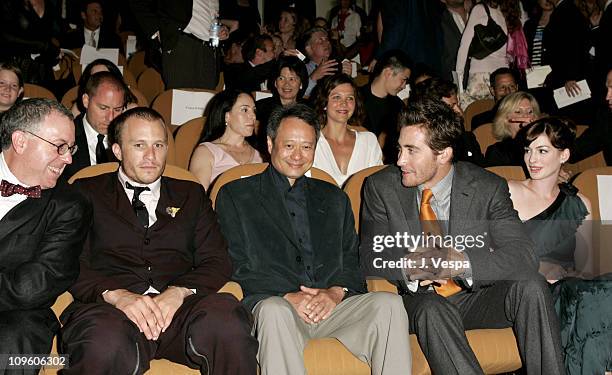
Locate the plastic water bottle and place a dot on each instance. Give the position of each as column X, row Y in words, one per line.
column 215, row 29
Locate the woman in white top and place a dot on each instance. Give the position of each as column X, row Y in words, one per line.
column 341, row 151
column 509, row 15
column 224, row 143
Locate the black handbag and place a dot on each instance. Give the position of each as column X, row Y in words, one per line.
column 487, row 38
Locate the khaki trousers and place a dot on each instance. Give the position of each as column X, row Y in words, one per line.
column 373, row 326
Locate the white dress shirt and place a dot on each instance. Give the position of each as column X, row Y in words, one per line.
column 96, row 36
column 366, row 153
column 202, row 16
column 8, row 203
column 150, row 198
column 92, row 140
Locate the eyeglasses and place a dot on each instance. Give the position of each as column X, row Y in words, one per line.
column 61, row 149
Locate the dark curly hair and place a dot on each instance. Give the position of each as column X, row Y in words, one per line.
column 320, row 97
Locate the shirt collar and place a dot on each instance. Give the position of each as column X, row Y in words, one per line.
column 87, row 31
column 155, row 186
column 442, row 189
column 282, row 183
column 89, row 130
column 6, row 174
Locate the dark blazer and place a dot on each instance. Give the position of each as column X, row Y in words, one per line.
column 185, row 250
column 597, row 137
column 76, row 39
column 567, row 39
column 243, row 76
column 81, row 160
column 451, row 39
column 479, row 205
column 40, row 243
column 263, row 245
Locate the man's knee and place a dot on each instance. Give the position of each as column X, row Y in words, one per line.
column 534, row 289
column 20, row 330
column 273, row 309
column 221, row 315
column 431, row 307
column 98, row 328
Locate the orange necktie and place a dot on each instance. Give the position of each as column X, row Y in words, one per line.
column 431, row 226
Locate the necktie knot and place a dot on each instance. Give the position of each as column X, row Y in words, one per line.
column 427, row 195
column 140, row 209
column 7, row 189
column 137, row 190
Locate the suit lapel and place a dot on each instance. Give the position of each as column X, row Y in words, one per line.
column 120, row 201
column 81, row 158
column 168, row 198
column 273, row 206
column 16, row 218
column 408, row 201
column 462, row 194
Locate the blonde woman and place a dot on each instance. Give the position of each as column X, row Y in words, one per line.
column 514, row 112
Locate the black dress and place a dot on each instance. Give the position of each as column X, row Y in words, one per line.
column 584, row 307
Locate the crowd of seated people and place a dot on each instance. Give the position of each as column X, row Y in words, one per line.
column 156, row 280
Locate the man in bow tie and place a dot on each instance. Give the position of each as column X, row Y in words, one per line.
column 42, row 228
column 150, row 269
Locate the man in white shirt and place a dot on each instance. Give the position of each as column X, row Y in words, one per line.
column 150, row 269
column 104, row 99
column 42, row 228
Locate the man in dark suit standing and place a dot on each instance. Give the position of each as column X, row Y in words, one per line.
column 189, row 56
column 150, row 270
column 104, row 99
column 93, row 32
column 294, row 246
column 436, row 211
column 42, row 228
column 452, row 21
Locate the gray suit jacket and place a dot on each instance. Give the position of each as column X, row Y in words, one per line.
column 480, row 206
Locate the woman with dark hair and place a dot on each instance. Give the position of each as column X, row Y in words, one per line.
column 558, row 220
column 290, row 81
column 224, row 142
column 342, row 151
column 11, row 86
column 98, row 65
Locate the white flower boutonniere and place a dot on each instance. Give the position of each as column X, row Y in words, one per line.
column 172, row 211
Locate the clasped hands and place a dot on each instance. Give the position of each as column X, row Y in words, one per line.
column 152, row 315
column 434, row 265
column 314, row 305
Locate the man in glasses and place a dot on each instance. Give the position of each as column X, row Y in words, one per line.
column 503, row 83
column 42, row 228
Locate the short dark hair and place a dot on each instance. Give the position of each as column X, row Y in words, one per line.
column 250, row 47
column 28, row 115
column 443, row 126
column 435, row 88
column 320, row 96
column 85, row 3
column 560, row 131
column 395, row 59
column 87, row 74
column 300, row 111
column 295, row 65
column 499, row 72
column 96, row 80
column 144, row 113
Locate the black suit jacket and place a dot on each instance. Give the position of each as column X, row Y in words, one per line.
column 186, row 250
column 263, row 245
column 451, row 38
column 76, row 39
column 245, row 77
column 479, row 205
column 81, row 159
column 40, row 243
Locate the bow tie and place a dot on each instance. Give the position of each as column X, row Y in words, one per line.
column 7, row 189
